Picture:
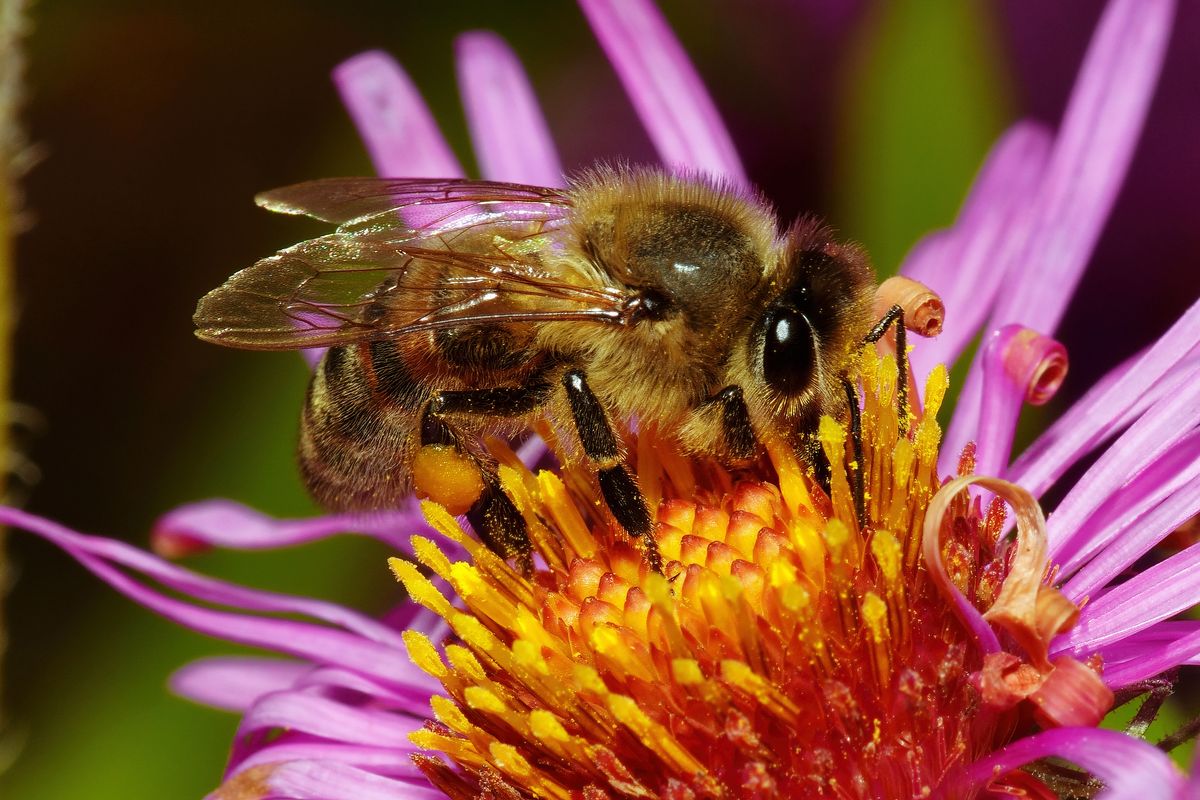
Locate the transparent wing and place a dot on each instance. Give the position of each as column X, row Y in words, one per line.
column 487, row 254
column 424, row 205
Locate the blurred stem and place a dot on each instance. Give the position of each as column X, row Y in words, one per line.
column 14, row 155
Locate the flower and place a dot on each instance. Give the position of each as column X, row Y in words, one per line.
column 913, row 600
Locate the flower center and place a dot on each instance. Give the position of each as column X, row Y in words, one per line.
column 785, row 651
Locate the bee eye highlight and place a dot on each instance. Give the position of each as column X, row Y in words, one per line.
column 788, row 356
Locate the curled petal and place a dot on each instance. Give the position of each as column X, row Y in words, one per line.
column 399, row 130
column 1106, row 408
column 924, row 311
column 508, row 131
column 667, row 93
column 931, row 549
column 1018, row 364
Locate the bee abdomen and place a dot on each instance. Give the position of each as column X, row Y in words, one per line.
column 358, row 429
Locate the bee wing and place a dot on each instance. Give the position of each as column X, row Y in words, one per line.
column 484, row 243
column 425, row 205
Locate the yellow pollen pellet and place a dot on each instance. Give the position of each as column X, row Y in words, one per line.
column 781, row 574
column 481, row 699
column 837, row 535
column 422, row 653
column 686, row 671
column 529, row 655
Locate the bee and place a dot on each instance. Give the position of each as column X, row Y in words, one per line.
column 456, row 308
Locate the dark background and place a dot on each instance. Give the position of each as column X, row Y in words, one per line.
column 158, row 123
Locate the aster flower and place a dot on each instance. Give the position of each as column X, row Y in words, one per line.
column 787, row 649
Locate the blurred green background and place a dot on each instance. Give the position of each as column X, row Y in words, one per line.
column 160, row 120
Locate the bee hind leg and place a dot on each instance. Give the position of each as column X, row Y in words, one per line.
column 493, row 515
column 621, row 492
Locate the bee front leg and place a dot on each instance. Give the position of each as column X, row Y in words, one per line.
column 737, row 434
column 620, row 491
column 895, row 314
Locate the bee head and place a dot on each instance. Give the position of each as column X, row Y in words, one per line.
column 818, row 314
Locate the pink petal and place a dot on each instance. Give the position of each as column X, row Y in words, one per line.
column 1139, row 516
column 1156, row 593
column 233, row 683
column 508, row 131
column 386, row 761
column 1108, row 406
column 663, row 85
column 1130, row 768
column 963, row 264
column 365, row 646
column 400, row 132
column 228, row 524
column 330, row 780
column 1154, row 434
column 320, row 716
column 1150, row 652
column 1092, row 151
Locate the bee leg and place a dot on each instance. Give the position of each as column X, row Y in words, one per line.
column 737, row 433
column 493, row 515
column 620, row 491
column 856, row 440
column 896, row 314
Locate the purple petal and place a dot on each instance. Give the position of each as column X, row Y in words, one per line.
column 386, row 761
column 330, row 780
column 663, row 85
column 329, row 719
column 1159, row 371
column 366, row 646
column 962, row 264
column 1150, row 652
column 1091, row 155
column 1130, row 768
column 1139, row 516
column 1154, row 594
column 233, row 683
column 1092, row 151
column 1161, row 428
column 400, row 132
column 1018, row 365
column 508, row 131
column 228, row 524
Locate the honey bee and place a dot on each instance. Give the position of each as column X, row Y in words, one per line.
column 456, row 308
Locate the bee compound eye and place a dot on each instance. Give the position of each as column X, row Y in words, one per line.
column 789, row 355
